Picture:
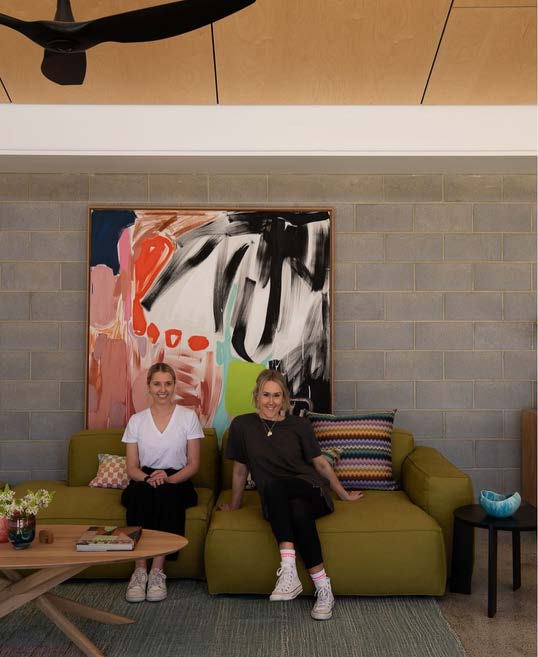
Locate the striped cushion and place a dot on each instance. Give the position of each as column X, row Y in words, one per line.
column 364, row 441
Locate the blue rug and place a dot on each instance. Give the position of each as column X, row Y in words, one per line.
column 191, row 623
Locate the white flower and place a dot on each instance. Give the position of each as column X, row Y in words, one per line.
column 29, row 505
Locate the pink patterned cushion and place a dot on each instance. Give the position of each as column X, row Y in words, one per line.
column 112, row 472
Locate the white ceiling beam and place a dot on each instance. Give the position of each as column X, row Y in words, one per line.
column 282, row 131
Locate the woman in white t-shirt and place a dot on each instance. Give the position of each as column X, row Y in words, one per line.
column 163, row 453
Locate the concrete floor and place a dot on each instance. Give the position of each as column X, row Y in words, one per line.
column 512, row 632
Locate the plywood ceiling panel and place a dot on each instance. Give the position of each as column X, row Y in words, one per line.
column 494, row 3
column 487, row 56
column 319, row 52
column 3, row 96
column 171, row 71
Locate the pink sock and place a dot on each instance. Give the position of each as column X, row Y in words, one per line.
column 319, row 578
column 287, row 555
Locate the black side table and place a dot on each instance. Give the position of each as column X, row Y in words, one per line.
column 466, row 518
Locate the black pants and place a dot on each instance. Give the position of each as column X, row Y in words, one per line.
column 292, row 506
column 161, row 508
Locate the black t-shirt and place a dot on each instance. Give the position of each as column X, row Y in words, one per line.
column 288, row 452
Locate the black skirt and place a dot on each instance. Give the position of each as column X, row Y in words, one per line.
column 162, row 508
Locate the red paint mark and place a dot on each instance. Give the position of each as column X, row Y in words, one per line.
column 153, row 333
column 198, row 342
column 173, row 337
column 150, row 257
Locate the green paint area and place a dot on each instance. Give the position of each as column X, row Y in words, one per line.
column 240, row 383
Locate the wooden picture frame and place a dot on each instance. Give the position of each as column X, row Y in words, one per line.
column 219, row 294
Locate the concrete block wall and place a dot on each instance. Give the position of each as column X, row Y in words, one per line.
column 434, row 302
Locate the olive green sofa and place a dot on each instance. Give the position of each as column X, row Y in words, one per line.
column 389, row 543
column 75, row 502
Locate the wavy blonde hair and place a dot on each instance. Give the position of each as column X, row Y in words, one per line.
column 272, row 375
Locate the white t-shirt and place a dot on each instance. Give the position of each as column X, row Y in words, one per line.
column 169, row 448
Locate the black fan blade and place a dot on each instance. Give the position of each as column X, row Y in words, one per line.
column 151, row 24
column 64, row 68
column 60, row 37
column 160, row 22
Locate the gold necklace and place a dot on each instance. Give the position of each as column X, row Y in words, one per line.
column 268, row 429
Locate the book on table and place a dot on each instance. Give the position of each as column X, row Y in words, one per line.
column 102, row 539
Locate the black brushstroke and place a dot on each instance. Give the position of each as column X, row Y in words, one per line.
column 283, row 238
column 174, row 272
column 224, row 283
column 241, row 312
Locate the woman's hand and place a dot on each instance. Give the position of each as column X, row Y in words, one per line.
column 158, row 478
column 227, row 507
column 352, row 496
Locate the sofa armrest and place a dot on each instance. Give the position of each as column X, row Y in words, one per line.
column 437, row 487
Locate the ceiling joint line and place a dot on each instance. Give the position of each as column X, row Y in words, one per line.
column 7, row 92
column 436, row 52
column 215, row 64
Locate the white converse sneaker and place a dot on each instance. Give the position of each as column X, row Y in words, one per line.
column 156, row 585
column 323, row 607
column 288, row 585
column 136, row 589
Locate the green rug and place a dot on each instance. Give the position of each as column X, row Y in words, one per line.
column 191, row 623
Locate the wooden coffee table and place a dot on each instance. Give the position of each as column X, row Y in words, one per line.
column 56, row 562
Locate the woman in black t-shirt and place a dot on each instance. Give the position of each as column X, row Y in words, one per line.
column 293, row 480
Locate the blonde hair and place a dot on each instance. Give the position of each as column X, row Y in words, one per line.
column 160, row 367
column 272, row 375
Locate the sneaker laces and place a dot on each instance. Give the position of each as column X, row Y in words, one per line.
column 139, row 578
column 157, row 577
column 324, row 594
column 285, row 577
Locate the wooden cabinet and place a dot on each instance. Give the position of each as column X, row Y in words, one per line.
column 528, row 456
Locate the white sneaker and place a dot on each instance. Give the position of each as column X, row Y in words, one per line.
column 136, row 589
column 323, row 607
column 288, row 585
column 156, row 585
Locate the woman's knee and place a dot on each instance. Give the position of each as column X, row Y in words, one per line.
column 301, row 510
column 274, row 489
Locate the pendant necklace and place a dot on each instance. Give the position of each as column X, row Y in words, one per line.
column 268, row 429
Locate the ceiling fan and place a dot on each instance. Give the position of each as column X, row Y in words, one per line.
column 65, row 40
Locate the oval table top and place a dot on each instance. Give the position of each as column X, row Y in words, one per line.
column 62, row 551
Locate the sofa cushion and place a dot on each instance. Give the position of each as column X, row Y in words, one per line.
column 381, row 545
column 402, row 443
column 112, row 472
column 365, row 444
column 85, row 446
column 79, row 505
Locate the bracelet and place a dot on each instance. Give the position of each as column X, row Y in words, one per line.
column 146, row 478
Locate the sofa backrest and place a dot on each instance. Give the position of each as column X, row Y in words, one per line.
column 86, row 445
column 402, row 442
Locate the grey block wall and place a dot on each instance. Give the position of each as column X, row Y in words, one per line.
column 434, row 302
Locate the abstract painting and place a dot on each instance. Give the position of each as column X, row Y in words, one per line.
column 217, row 294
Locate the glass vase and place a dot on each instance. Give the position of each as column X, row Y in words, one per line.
column 21, row 531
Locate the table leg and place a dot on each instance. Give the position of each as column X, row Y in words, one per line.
column 516, row 559
column 33, row 588
column 68, row 628
column 99, row 615
column 462, row 557
column 492, row 572
column 26, row 589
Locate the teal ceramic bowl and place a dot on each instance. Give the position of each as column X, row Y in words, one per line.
column 499, row 505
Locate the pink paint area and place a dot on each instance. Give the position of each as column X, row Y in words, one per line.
column 109, row 378
column 126, row 272
column 104, row 295
column 139, row 392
